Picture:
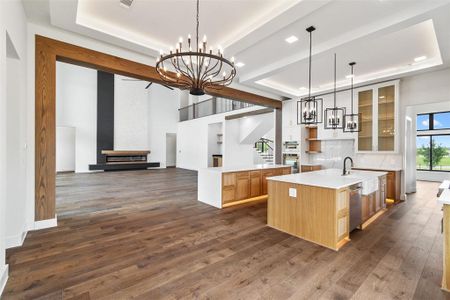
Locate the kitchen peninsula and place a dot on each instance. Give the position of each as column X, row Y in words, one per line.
column 318, row 206
column 226, row 186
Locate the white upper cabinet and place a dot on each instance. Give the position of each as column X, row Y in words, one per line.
column 378, row 105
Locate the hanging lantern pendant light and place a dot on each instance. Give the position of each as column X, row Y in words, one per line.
column 352, row 121
column 334, row 115
column 309, row 109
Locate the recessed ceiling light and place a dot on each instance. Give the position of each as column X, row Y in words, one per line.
column 292, row 39
column 420, row 58
column 240, row 64
column 349, row 76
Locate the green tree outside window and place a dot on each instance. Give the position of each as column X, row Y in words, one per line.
column 438, row 153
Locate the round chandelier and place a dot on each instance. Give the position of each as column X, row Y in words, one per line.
column 195, row 69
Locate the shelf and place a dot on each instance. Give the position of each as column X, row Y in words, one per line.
column 313, row 152
column 312, row 139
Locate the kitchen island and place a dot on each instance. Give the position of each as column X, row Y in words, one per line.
column 226, row 186
column 316, row 206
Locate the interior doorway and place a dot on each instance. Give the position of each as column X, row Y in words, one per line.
column 171, row 150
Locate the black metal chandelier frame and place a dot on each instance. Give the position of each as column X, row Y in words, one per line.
column 334, row 116
column 196, row 70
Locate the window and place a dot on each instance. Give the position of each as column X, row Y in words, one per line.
column 433, row 121
column 433, row 147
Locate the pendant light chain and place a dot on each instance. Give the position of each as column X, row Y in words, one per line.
column 198, row 20
column 352, row 64
column 310, row 62
column 335, row 78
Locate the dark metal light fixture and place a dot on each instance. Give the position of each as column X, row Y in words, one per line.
column 334, row 117
column 309, row 109
column 352, row 121
column 195, row 69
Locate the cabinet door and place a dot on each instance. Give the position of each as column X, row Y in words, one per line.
column 255, row 183
column 242, row 185
column 264, row 175
column 365, row 211
column 365, row 108
column 229, row 179
column 386, row 118
column 390, row 185
column 286, row 171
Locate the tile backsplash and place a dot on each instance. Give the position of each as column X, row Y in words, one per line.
column 334, row 152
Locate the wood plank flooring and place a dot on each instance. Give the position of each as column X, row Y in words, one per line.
column 143, row 235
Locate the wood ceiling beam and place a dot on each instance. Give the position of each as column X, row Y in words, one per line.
column 47, row 52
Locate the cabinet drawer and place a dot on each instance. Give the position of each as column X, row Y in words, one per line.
column 255, row 174
column 228, row 194
column 229, row 179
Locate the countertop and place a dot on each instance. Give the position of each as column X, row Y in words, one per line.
column 395, row 169
column 329, row 178
column 444, row 198
column 245, row 168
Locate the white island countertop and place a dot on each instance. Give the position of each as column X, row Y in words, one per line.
column 444, row 198
column 329, row 178
column 245, row 168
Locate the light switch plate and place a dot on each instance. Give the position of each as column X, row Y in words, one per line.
column 293, row 192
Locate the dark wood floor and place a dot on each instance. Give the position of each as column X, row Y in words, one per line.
column 143, row 234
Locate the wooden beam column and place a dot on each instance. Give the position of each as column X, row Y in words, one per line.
column 45, row 136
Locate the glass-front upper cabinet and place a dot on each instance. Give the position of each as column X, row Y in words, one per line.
column 386, row 117
column 378, row 105
column 365, row 107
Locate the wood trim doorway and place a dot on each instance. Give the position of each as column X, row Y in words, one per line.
column 47, row 52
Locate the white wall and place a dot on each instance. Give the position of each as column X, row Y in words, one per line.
column 236, row 154
column 12, row 224
column 76, row 106
column 65, row 149
column 194, row 155
column 130, row 114
column 171, row 149
column 162, row 119
column 213, row 146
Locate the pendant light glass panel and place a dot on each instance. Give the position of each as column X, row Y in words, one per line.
column 352, row 121
column 334, row 116
column 309, row 110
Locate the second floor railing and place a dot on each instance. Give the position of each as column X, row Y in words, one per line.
column 210, row 107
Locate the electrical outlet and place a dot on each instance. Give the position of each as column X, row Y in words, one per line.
column 293, row 192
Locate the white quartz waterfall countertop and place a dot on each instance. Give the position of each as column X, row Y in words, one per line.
column 329, row 178
column 444, row 198
column 245, row 168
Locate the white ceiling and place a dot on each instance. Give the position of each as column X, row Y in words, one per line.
column 382, row 36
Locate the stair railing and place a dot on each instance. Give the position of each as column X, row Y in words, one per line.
column 265, row 146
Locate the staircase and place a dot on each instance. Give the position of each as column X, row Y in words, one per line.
column 264, row 150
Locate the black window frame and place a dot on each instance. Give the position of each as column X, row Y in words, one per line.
column 431, row 120
column 430, row 136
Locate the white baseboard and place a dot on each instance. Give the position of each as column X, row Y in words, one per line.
column 3, row 278
column 46, row 223
column 15, row 240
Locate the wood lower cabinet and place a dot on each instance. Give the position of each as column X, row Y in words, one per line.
column 242, row 186
column 247, row 185
column 310, row 168
column 255, row 184
column 319, row 215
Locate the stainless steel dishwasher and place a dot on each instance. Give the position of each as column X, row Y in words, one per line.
column 355, row 206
